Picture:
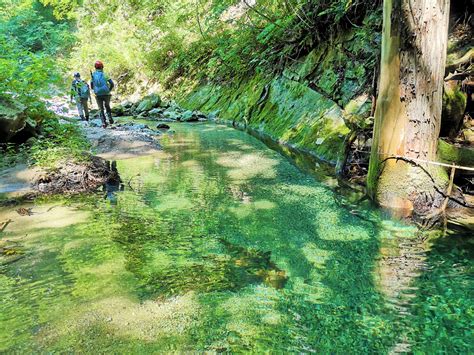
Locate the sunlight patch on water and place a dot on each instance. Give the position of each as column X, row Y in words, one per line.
column 247, row 208
column 124, row 317
column 244, row 167
column 220, row 244
column 173, row 202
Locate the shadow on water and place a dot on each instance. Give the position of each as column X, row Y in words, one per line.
column 219, row 244
column 441, row 317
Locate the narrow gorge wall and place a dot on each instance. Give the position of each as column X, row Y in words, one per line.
column 308, row 105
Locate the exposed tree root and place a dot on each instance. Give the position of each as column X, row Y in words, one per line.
column 74, row 177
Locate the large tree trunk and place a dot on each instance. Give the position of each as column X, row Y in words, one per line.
column 408, row 113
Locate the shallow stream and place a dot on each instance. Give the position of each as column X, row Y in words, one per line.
column 220, row 243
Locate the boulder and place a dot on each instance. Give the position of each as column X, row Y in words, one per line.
column 13, row 119
column 455, row 153
column 118, row 110
column 126, row 104
column 156, row 112
column 357, row 113
column 188, row 116
column 171, row 115
column 468, row 135
column 148, row 103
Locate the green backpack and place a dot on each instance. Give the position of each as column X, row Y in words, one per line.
column 83, row 89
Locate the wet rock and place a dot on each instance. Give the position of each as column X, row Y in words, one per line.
column 13, row 119
column 95, row 122
column 148, row 103
column 156, row 112
column 188, row 116
column 118, row 111
column 130, row 126
column 162, row 126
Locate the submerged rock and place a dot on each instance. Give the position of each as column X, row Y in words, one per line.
column 162, row 126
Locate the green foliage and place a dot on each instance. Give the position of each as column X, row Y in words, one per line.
column 59, row 142
column 12, row 154
column 30, row 43
column 175, row 41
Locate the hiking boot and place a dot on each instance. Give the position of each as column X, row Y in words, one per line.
column 111, row 120
column 82, row 118
column 87, row 118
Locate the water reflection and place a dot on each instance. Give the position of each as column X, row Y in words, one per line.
column 113, row 184
column 219, row 244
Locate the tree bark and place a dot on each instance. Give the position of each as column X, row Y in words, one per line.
column 408, row 112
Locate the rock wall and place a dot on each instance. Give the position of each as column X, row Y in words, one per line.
column 309, row 105
column 288, row 111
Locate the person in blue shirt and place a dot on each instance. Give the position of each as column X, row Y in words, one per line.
column 102, row 86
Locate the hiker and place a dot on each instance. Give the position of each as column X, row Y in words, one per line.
column 102, row 87
column 80, row 93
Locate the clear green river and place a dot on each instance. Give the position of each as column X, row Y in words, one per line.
column 221, row 244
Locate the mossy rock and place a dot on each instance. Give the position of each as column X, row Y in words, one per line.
column 454, row 105
column 284, row 109
column 455, row 154
column 357, row 112
column 148, row 103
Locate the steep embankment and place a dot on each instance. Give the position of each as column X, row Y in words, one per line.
column 312, row 104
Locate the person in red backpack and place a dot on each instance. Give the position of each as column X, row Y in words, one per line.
column 102, row 87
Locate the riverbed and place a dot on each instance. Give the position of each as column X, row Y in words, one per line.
column 218, row 243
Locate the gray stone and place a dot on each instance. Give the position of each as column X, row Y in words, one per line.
column 172, row 115
column 148, row 103
column 188, row 116
column 156, row 112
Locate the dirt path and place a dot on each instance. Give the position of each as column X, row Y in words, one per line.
column 121, row 141
column 116, row 142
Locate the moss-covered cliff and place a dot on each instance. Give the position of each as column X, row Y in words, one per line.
column 307, row 105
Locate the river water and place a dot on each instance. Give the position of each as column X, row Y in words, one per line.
column 219, row 243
